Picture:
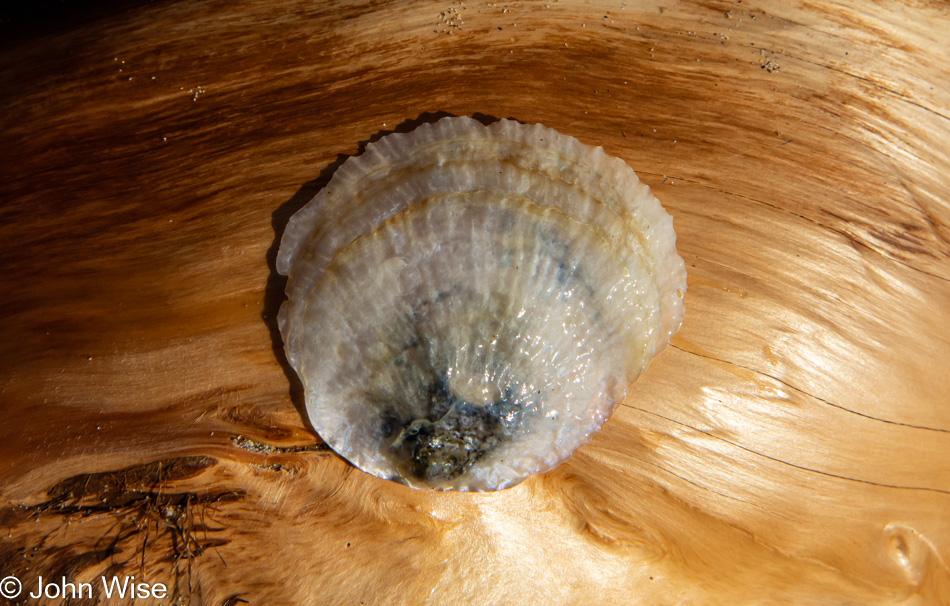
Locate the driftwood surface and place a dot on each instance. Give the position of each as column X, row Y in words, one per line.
column 792, row 446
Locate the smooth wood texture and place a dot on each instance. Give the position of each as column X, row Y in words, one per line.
column 792, row 446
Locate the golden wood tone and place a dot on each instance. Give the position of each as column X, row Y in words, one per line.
column 792, row 446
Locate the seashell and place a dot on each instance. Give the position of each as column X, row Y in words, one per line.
column 467, row 304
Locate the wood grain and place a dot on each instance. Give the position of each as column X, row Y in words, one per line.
column 791, row 447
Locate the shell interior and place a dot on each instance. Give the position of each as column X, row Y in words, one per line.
column 467, row 303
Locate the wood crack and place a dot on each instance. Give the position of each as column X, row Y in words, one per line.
column 789, row 463
column 811, row 395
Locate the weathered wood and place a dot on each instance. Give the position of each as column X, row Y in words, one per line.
column 792, row 446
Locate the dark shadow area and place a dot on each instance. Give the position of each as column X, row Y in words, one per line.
column 22, row 20
column 274, row 290
column 276, row 283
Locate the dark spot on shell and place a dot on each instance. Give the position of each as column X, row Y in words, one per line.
column 447, row 448
column 390, row 422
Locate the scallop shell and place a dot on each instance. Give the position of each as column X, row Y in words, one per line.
column 467, row 304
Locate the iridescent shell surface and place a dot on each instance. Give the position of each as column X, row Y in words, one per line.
column 467, row 304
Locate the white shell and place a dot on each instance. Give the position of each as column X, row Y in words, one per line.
column 467, row 304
